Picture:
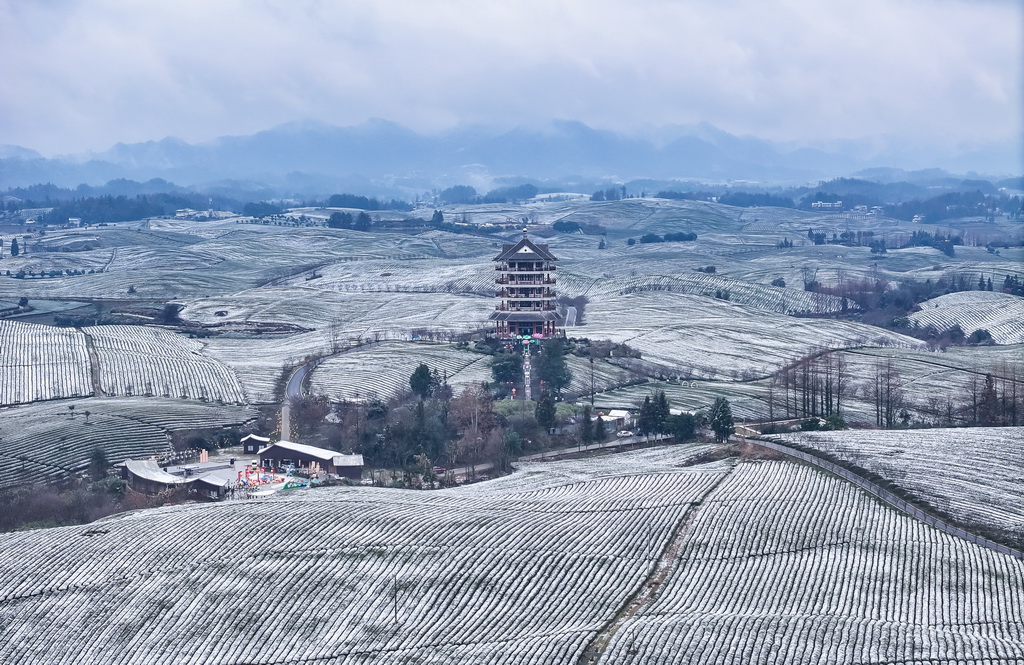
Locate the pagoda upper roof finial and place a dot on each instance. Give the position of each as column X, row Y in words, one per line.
column 524, row 231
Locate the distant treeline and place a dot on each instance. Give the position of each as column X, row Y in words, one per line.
column 464, row 194
column 45, row 196
column 363, row 203
column 739, row 199
column 96, row 209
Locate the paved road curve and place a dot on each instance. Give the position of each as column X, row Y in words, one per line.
column 293, row 388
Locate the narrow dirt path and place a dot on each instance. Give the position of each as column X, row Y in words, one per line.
column 647, row 592
column 94, row 365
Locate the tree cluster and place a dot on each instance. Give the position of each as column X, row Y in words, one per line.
column 550, row 366
column 261, row 209
column 364, row 203
column 668, row 237
column 610, row 194
column 344, row 220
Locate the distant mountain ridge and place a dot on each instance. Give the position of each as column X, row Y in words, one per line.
column 307, row 154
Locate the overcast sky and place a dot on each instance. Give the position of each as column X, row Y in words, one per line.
column 82, row 75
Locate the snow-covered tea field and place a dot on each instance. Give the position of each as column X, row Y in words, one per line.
column 698, row 337
column 137, row 360
column 41, row 363
column 46, row 441
column 928, row 379
column 1001, row 314
column 975, row 475
column 634, row 558
column 384, row 369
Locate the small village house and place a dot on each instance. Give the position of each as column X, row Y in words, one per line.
column 286, row 453
column 251, row 443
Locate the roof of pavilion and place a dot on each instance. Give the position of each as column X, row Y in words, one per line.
column 525, row 317
column 525, row 250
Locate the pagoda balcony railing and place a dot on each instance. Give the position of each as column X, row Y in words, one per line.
column 526, row 271
column 524, row 282
column 513, row 308
column 506, row 293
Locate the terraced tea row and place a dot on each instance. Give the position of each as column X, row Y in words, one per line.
column 45, row 442
column 785, row 564
column 536, row 569
column 1001, row 314
column 972, row 474
column 41, row 363
column 384, row 370
column 136, row 360
column 478, row 579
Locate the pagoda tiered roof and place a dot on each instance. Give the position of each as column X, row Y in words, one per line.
column 525, row 250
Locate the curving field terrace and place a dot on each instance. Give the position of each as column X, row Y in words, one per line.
column 46, row 441
column 384, row 370
column 973, row 474
column 137, row 360
column 1001, row 314
column 786, row 564
column 661, row 564
column 42, row 363
column 709, row 338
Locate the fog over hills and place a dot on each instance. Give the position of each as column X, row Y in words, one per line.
column 306, row 156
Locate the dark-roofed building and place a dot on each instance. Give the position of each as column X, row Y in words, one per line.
column 526, row 291
column 284, row 453
column 251, row 443
column 147, row 477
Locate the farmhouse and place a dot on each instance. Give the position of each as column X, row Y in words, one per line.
column 620, row 417
column 212, row 480
column 146, row 477
column 526, row 291
column 284, row 453
column 251, row 443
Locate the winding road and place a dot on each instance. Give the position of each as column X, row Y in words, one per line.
column 293, row 389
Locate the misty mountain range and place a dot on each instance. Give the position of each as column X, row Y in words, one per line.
column 383, row 157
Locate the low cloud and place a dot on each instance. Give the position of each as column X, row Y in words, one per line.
column 83, row 75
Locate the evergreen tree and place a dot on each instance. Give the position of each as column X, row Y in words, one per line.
column 438, row 217
column 14, row 247
column 98, row 464
column 720, row 419
column 340, row 220
column 551, row 367
column 647, row 421
column 421, row 381
column 683, row 427
column 586, row 426
column 661, row 413
column 362, row 222
column 507, row 368
column 599, row 431
column 989, row 414
column 545, row 410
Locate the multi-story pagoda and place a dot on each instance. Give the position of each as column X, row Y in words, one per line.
column 526, row 291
